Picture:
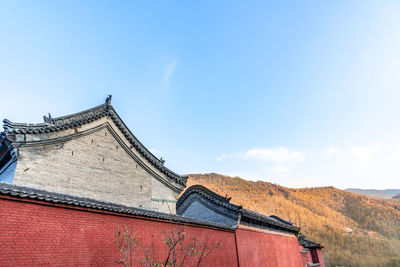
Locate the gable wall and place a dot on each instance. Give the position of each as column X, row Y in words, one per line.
column 93, row 165
column 163, row 198
column 200, row 210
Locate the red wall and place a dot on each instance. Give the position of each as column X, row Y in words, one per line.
column 258, row 248
column 306, row 257
column 32, row 235
column 38, row 233
column 321, row 258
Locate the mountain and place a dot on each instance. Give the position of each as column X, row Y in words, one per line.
column 397, row 196
column 386, row 193
column 356, row 230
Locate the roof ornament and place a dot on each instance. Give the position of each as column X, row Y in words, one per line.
column 162, row 161
column 48, row 119
column 108, row 100
column 7, row 124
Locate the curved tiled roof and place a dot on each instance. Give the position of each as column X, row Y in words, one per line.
column 52, row 197
column 87, row 116
column 246, row 215
column 208, row 194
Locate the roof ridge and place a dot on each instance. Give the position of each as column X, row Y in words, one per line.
column 214, row 197
column 103, row 106
column 269, row 219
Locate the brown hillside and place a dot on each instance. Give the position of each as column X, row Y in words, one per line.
column 356, row 230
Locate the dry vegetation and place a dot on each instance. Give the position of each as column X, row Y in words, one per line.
column 356, row 230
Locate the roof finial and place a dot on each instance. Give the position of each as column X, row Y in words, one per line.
column 108, row 100
column 6, row 124
column 162, row 161
column 48, row 119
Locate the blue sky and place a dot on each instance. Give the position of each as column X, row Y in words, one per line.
column 299, row 93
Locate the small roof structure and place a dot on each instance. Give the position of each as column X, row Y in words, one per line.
column 200, row 202
column 308, row 244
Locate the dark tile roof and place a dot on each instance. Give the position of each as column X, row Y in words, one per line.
column 280, row 219
column 308, row 244
column 249, row 217
column 52, row 197
column 263, row 219
column 86, row 116
column 210, row 195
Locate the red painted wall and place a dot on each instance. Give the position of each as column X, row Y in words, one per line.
column 33, row 234
column 306, row 257
column 36, row 233
column 321, row 258
column 258, row 248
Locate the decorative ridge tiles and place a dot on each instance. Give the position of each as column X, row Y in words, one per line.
column 267, row 219
column 52, row 197
column 57, row 124
column 280, row 219
column 87, row 116
column 210, row 195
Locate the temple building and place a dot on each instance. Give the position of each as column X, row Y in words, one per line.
column 90, row 154
column 70, row 184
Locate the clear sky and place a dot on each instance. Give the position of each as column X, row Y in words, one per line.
column 299, row 93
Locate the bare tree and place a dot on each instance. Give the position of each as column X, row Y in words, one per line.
column 127, row 244
column 182, row 250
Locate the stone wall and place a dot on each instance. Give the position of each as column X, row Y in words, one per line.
column 92, row 165
column 163, row 198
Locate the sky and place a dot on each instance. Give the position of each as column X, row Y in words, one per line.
column 298, row 93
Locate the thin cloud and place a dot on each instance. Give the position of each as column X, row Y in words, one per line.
column 277, row 155
column 341, row 166
column 331, row 151
column 224, row 156
column 302, row 182
column 280, row 168
column 170, row 70
column 362, row 153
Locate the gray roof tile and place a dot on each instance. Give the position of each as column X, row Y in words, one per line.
column 53, row 197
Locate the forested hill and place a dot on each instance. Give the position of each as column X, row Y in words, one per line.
column 386, row 193
column 355, row 229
